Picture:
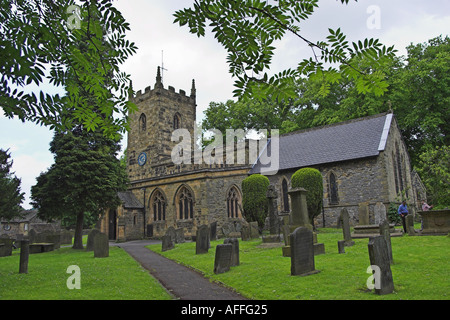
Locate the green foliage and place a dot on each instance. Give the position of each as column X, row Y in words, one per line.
column 85, row 177
column 248, row 30
column 434, row 170
column 40, row 40
column 392, row 213
column 10, row 195
column 254, row 190
column 311, row 180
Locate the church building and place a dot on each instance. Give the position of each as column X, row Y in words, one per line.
column 362, row 161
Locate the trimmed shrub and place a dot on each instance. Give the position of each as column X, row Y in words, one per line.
column 254, row 189
column 311, row 180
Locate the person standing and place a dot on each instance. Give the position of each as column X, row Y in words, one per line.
column 403, row 212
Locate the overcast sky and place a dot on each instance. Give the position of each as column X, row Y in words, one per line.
column 186, row 57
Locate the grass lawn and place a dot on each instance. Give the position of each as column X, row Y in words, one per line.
column 117, row 277
column 421, row 269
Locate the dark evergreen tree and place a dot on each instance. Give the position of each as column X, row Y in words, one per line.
column 85, row 178
column 10, row 195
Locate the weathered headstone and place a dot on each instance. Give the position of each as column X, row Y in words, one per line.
column 341, row 246
column 254, row 230
column 202, row 240
column 171, row 233
column 245, row 233
column 90, row 239
column 379, row 259
column 299, row 212
column 24, row 256
column 384, row 231
column 235, row 250
column 272, row 207
column 302, row 252
column 222, row 258
column 363, row 214
column 101, row 245
column 379, row 213
column 213, row 231
column 167, row 242
column 345, row 219
column 66, row 237
column 179, row 235
column 410, row 225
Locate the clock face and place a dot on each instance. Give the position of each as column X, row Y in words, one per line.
column 142, row 159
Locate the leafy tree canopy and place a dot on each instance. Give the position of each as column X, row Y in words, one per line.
column 248, row 29
column 76, row 46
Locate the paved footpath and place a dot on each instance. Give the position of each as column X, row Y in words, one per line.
column 183, row 283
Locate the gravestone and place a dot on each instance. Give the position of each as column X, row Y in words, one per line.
column 101, row 245
column 222, row 258
column 167, row 243
column 299, row 213
column 272, row 207
column 179, row 235
column 345, row 221
column 24, row 256
column 234, row 252
column 379, row 213
column 202, row 240
column 254, row 230
column 171, row 233
column 363, row 214
column 302, row 252
column 384, row 231
column 213, row 231
column 410, row 225
column 379, row 257
column 341, row 246
column 300, row 218
column 245, row 233
column 90, row 239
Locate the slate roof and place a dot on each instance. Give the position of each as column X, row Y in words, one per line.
column 129, row 200
column 354, row 139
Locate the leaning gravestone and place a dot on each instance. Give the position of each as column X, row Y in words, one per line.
column 235, row 250
column 202, row 240
column 222, row 259
column 341, row 246
column 245, row 233
column 379, row 259
column 167, row 243
column 90, row 239
column 101, row 245
column 345, row 219
column 302, row 252
column 384, row 231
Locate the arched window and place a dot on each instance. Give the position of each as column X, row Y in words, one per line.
column 142, row 123
column 233, row 199
column 399, row 167
column 185, row 203
column 394, row 163
column 158, row 205
column 334, row 199
column 285, row 195
column 176, row 121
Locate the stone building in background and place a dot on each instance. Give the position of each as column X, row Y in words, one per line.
column 362, row 161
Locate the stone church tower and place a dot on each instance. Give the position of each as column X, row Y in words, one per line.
column 161, row 111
